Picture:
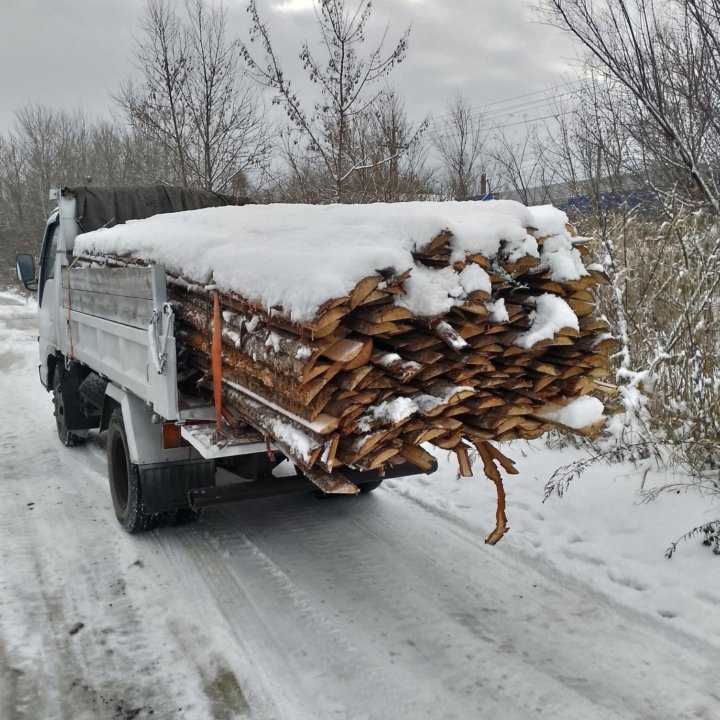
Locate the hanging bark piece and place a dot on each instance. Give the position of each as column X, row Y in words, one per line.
column 464, row 464
column 491, row 471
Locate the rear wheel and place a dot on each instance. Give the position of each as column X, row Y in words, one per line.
column 368, row 487
column 124, row 476
column 67, row 438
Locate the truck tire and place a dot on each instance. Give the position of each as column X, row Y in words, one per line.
column 124, row 476
column 67, row 438
column 368, row 487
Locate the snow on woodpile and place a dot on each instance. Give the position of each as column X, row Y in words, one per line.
column 353, row 334
column 298, row 257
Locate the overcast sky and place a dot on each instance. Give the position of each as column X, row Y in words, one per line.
column 69, row 53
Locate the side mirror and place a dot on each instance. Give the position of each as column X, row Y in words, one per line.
column 25, row 269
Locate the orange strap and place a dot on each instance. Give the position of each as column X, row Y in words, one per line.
column 69, row 316
column 217, row 359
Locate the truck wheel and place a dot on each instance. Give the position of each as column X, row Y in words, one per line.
column 67, row 438
column 368, row 487
column 124, row 477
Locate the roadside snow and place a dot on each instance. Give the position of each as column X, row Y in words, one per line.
column 601, row 532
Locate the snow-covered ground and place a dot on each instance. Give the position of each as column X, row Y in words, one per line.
column 386, row 606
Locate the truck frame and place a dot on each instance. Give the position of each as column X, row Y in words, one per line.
column 108, row 355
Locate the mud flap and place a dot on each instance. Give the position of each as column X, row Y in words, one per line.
column 167, row 486
column 74, row 413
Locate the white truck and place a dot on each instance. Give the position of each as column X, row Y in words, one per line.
column 108, row 355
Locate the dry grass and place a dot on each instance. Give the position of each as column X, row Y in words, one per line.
column 664, row 306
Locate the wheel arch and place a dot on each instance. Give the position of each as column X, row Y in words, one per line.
column 143, row 428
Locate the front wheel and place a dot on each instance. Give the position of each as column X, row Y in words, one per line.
column 124, row 475
column 67, row 438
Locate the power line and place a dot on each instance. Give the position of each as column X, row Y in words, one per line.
column 525, row 121
column 540, row 104
column 480, row 108
column 436, row 123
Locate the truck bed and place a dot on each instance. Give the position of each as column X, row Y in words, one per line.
column 119, row 323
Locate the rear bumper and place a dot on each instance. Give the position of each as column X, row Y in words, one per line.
column 268, row 487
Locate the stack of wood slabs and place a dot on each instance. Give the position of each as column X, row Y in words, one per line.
column 366, row 384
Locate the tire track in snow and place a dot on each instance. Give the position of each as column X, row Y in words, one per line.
column 449, row 628
column 69, row 568
column 273, row 622
column 595, row 651
column 65, row 561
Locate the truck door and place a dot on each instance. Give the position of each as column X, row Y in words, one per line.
column 48, row 297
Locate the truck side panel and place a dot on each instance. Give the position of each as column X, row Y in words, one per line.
column 120, row 295
column 127, row 337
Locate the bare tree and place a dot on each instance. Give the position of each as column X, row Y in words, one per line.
column 48, row 148
column 295, row 175
column 656, row 54
column 192, row 98
column 519, row 165
column 460, row 142
column 156, row 105
column 588, row 146
column 649, row 113
column 230, row 134
column 386, row 133
column 345, row 79
column 13, row 199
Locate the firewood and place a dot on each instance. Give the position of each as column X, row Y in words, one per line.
column 363, row 290
column 449, row 336
column 396, row 366
column 317, row 388
column 349, row 351
column 382, row 314
column 417, row 456
column 374, row 329
column 480, row 260
column 464, row 464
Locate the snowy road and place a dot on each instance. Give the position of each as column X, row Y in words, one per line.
column 381, row 607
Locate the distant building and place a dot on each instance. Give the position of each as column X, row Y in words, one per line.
column 571, row 198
